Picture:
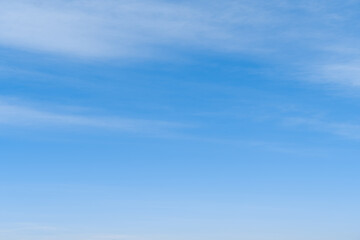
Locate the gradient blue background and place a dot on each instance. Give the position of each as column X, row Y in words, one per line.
column 242, row 124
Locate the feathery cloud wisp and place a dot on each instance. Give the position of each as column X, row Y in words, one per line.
column 123, row 28
column 290, row 31
column 19, row 115
column 346, row 130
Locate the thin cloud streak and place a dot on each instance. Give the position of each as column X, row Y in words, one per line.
column 346, row 130
column 32, row 231
column 151, row 29
column 124, row 28
column 22, row 116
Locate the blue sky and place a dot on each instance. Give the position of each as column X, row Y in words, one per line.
column 172, row 120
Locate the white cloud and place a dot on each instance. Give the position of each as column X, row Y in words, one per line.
column 27, row 227
column 116, row 237
column 35, row 231
column 22, row 115
column 126, row 28
column 347, row 130
column 348, row 74
column 315, row 39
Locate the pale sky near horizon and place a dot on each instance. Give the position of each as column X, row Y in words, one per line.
column 179, row 120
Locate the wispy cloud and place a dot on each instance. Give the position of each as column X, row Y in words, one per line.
column 116, row 237
column 125, row 28
column 31, row 231
column 12, row 114
column 346, row 130
column 281, row 31
column 27, row 227
column 344, row 73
